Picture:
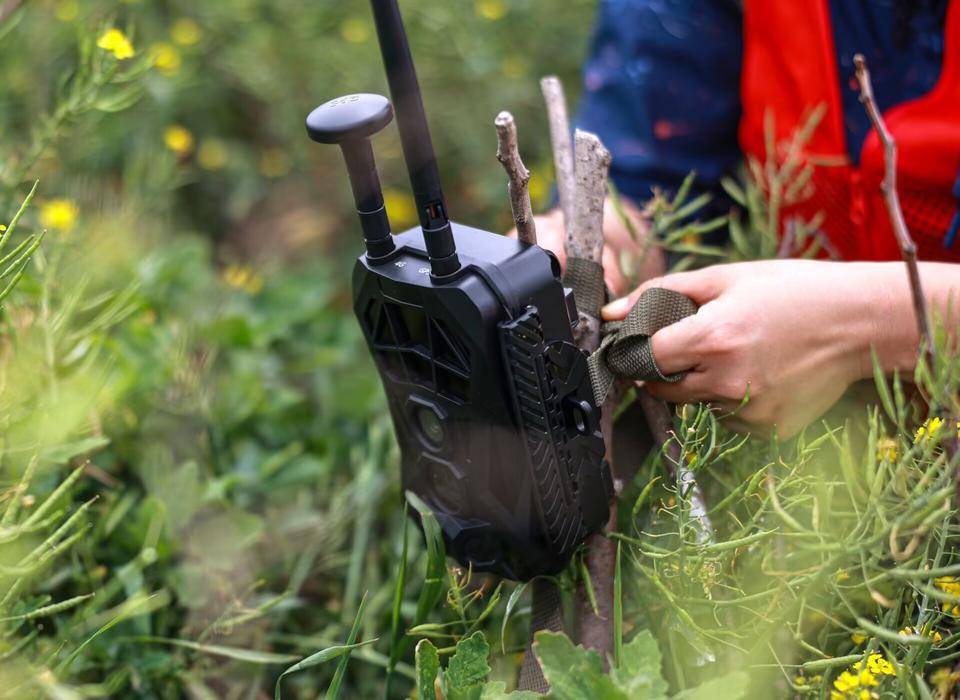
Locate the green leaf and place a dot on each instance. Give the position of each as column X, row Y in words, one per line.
column 733, row 686
column 511, row 604
column 333, row 691
column 638, row 674
column 320, row 657
column 250, row 656
column 432, row 589
column 468, row 669
column 428, row 665
column 573, row 672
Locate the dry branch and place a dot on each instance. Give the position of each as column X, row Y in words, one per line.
column 508, row 153
column 585, row 232
column 585, row 241
column 908, row 249
column 556, row 102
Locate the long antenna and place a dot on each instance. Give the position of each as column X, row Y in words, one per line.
column 415, row 138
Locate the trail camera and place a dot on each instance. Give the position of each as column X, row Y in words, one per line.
column 471, row 332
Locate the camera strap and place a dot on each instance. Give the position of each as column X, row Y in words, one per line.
column 625, row 350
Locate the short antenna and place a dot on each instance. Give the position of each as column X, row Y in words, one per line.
column 415, row 138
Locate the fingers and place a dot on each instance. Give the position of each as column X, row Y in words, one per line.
column 693, row 388
column 700, row 285
column 679, row 346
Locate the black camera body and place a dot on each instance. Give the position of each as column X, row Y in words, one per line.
column 490, row 399
column 471, row 332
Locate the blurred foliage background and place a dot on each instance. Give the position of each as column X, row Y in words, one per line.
column 198, row 482
column 181, row 343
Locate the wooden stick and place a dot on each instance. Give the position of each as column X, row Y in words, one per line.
column 908, row 249
column 508, row 153
column 585, row 240
column 556, row 102
column 585, row 234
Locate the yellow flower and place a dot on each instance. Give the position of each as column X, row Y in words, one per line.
column 400, row 208
column 212, row 154
column 928, row 431
column 67, row 10
column 242, row 277
column 858, row 638
column 842, row 575
column 949, row 584
column 355, row 30
column 491, row 9
column 117, row 43
column 178, row 139
column 851, row 685
column 59, row 214
column 876, row 665
column 185, row 32
column 886, row 449
column 166, row 58
column 274, row 163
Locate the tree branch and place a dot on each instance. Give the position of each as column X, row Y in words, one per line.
column 908, row 249
column 556, row 102
column 508, row 153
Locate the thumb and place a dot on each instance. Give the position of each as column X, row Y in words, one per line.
column 700, row 285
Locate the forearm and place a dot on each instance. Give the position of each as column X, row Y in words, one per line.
column 893, row 333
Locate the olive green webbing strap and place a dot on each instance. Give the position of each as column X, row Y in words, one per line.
column 624, row 352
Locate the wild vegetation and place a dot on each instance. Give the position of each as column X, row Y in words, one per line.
column 198, row 482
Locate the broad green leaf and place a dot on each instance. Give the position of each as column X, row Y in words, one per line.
column 468, row 669
column 639, row 674
column 428, row 665
column 573, row 672
column 733, row 686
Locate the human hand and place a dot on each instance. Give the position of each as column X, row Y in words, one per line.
column 788, row 335
column 619, row 243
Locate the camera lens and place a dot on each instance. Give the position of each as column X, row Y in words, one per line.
column 430, row 426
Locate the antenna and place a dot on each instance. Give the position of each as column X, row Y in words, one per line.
column 415, row 138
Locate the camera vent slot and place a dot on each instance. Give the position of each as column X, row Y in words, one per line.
column 416, row 348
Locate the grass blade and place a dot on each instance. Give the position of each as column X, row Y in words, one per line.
column 333, row 692
column 320, row 657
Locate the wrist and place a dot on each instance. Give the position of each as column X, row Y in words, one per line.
column 890, row 333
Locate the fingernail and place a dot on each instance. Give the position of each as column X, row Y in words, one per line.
column 617, row 308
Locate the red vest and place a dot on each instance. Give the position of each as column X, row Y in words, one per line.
column 790, row 67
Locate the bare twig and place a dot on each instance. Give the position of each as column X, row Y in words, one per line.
column 556, row 102
column 908, row 249
column 508, row 153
